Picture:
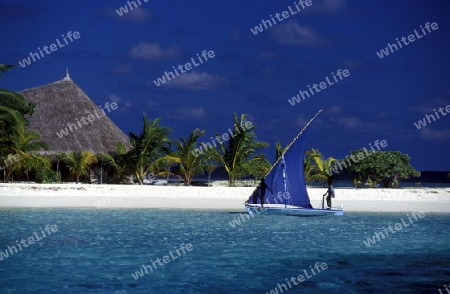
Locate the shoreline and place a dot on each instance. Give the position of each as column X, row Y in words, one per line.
column 215, row 198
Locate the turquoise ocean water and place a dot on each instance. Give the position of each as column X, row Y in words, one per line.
column 97, row 251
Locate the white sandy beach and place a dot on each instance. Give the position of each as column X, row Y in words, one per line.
column 211, row 198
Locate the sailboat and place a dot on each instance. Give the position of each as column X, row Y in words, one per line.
column 286, row 192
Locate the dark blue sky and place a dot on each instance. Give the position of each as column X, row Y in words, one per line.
column 118, row 57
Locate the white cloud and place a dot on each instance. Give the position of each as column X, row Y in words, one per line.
column 154, row 51
column 235, row 35
column 430, row 134
column 290, row 32
column 348, row 122
column 423, row 109
column 114, row 98
column 122, row 103
column 334, row 110
column 137, row 15
column 332, row 5
column 197, row 81
column 352, row 63
column 301, row 121
column 382, row 114
column 121, row 69
column 431, row 105
column 327, row 7
column 189, row 112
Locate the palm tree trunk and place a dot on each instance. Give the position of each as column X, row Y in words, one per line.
column 139, row 178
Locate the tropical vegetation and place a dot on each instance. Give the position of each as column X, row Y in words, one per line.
column 16, row 140
column 79, row 163
column 384, row 168
column 238, row 155
column 117, row 162
column 152, row 152
column 190, row 163
column 317, row 169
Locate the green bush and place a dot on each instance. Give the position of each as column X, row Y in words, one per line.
column 47, row 176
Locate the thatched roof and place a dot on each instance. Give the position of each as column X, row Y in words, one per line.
column 63, row 102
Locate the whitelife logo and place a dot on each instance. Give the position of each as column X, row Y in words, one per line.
column 411, row 38
column 334, row 169
column 187, row 67
column 123, row 10
column 35, row 56
column 86, row 120
column 31, row 240
column 340, row 73
column 285, row 14
column 10, row 160
column 423, row 123
column 245, row 126
column 319, row 267
column 393, row 229
column 165, row 259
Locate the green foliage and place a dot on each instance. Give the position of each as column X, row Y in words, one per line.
column 238, row 154
column 47, row 176
column 278, row 150
column 317, row 169
column 118, row 162
column 381, row 167
column 11, row 126
column 79, row 163
column 256, row 168
column 150, row 150
column 191, row 163
column 31, row 162
column 5, row 68
column 15, row 138
column 16, row 102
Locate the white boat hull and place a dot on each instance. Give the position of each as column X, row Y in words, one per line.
column 281, row 209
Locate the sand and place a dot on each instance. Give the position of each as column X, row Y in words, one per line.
column 211, row 198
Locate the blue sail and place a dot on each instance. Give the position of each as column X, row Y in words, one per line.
column 286, row 180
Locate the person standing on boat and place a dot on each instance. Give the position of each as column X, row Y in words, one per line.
column 329, row 194
column 262, row 190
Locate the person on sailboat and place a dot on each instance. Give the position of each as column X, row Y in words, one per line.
column 262, row 190
column 329, row 194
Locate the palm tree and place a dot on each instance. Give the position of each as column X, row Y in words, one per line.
column 210, row 167
column 191, row 163
column 5, row 68
column 15, row 139
column 118, row 161
column 79, row 163
column 239, row 152
column 317, row 168
column 12, row 127
column 150, row 151
column 278, row 150
column 257, row 168
column 32, row 162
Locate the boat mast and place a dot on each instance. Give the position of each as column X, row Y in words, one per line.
column 283, row 166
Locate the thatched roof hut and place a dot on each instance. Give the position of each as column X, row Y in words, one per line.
column 62, row 105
